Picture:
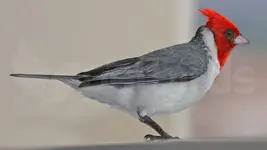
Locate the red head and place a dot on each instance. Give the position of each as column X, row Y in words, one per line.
column 227, row 34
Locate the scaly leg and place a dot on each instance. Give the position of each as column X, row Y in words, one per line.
column 151, row 123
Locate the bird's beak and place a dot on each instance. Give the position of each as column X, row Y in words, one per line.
column 241, row 40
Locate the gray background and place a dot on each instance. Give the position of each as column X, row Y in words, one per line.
column 236, row 105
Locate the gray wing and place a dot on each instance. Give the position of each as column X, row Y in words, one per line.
column 177, row 63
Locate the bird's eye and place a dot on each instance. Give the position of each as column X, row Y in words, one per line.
column 229, row 33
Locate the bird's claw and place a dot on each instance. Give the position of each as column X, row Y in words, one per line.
column 150, row 137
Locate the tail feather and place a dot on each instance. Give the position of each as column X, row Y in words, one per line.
column 72, row 81
column 43, row 76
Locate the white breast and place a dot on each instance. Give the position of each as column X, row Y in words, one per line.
column 173, row 97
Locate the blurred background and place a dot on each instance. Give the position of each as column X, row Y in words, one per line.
column 70, row 36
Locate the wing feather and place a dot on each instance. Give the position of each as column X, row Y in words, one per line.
column 177, row 63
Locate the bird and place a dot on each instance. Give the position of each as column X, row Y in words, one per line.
column 164, row 81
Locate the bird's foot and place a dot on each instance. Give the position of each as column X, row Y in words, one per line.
column 150, row 137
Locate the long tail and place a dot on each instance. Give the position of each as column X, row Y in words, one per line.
column 43, row 76
column 67, row 79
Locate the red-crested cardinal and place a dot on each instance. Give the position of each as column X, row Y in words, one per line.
column 163, row 81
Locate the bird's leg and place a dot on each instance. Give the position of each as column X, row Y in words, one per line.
column 151, row 123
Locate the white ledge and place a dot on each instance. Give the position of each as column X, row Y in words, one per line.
column 195, row 144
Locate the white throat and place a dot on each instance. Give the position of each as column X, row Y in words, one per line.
column 208, row 38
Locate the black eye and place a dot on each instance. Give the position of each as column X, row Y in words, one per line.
column 229, row 33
